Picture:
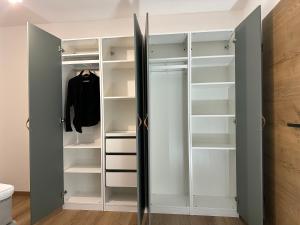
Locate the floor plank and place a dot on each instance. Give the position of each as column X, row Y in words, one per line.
column 21, row 213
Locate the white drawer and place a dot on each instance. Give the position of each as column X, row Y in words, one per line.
column 121, row 179
column 124, row 145
column 121, row 162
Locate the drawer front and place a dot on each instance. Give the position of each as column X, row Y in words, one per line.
column 121, row 179
column 121, row 162
column 125, row 145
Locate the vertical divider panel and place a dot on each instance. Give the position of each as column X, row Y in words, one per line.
column 102, row 123
column 190, row 119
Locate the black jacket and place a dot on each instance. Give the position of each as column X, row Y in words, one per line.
column 84, row 95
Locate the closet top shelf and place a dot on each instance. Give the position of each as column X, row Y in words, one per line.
column 118, row 61
column 212, row 61
column 80, row 54
column 82, row 146
column 168, row 60
column 80, row 62
column 225, row 83
column 83, row 169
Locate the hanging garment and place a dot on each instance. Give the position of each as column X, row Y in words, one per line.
column 84, row 95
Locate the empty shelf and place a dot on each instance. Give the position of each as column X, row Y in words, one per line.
column 214, row 202
column 214, row 116
column 212, row 141
column 229, row 83
column 119, row 97
column 118, row 61
column 80, row 54
column 168, row 60
column 211, row 61
column 80, row 62
column 84, row 199
column 121, row 134
column 213, row 107
column 121, row 199
column 83, row 145
column 169, row 200
column 83, row 169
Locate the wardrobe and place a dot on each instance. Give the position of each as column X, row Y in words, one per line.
column 180, row 129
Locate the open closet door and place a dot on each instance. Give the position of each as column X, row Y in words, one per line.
column 46, row 131
column 146, row 120
column 249, row 119
column 139, row 73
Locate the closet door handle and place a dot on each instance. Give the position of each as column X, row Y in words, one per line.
column 263, row 121
column 146, row 122
column 27, row 124
column 139, row 121
column 294, row 125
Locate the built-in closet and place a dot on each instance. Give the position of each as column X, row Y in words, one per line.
column 180, row 129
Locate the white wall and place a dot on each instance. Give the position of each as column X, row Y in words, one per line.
column 14, row 149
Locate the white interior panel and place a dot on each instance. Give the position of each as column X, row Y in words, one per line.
column 168, row 133
column 118, row 49
column 82, row 158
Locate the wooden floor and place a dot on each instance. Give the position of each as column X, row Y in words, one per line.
column 21, row 214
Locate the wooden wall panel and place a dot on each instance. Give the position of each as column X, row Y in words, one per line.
column 281, row 98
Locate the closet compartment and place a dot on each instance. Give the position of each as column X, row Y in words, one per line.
column 83, row 191
column 80, row 51
column 168, row 113
column 121, row 199
column 213, row 75
column 168, row 47
column 212, row 43
column 119, row 80
column 214, row 183
column 216, row 133
column 119, row 116
column 82, row 161
column 118, row 49
column 212, row 101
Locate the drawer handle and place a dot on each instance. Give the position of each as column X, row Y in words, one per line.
column 139, row 121
column 295, row 125
column 146, row 122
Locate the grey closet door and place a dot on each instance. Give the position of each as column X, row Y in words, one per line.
column 146, row 119
column 46, row 134
column 139, row 73
column 249, row 119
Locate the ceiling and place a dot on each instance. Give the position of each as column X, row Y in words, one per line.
column 57, row 11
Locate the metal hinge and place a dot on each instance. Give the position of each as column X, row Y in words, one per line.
column 60, row 49
column 236, row 199
column 63, row 194
column 234, row 40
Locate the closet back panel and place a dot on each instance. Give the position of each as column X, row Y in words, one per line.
column 168, row 133
column 120, row 115
column 118, row 49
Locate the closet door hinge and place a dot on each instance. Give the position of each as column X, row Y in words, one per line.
column 236, row 199
column 63, row 194
column 60, row 49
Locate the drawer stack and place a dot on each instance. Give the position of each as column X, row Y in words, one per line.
column 121, row 173
column 121, row 162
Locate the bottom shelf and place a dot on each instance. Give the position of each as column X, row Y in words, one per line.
column 169, row 204
column 84, row 201
column 121, row 199
column 214, row 206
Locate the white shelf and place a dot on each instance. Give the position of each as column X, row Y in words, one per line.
column 119, row 97
column 120, row 134
column 80, row 54
column 212, row 61
column 80, row 62
column 82, row 169
column 118, row 61
column 121, row 199
column 81, row 199
column 82, row 146
column 214, row 206
column 229, row 84
column 212, row 141
column 215, row 116
column 163, row 68
column 168, row 60
column 169, row 204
